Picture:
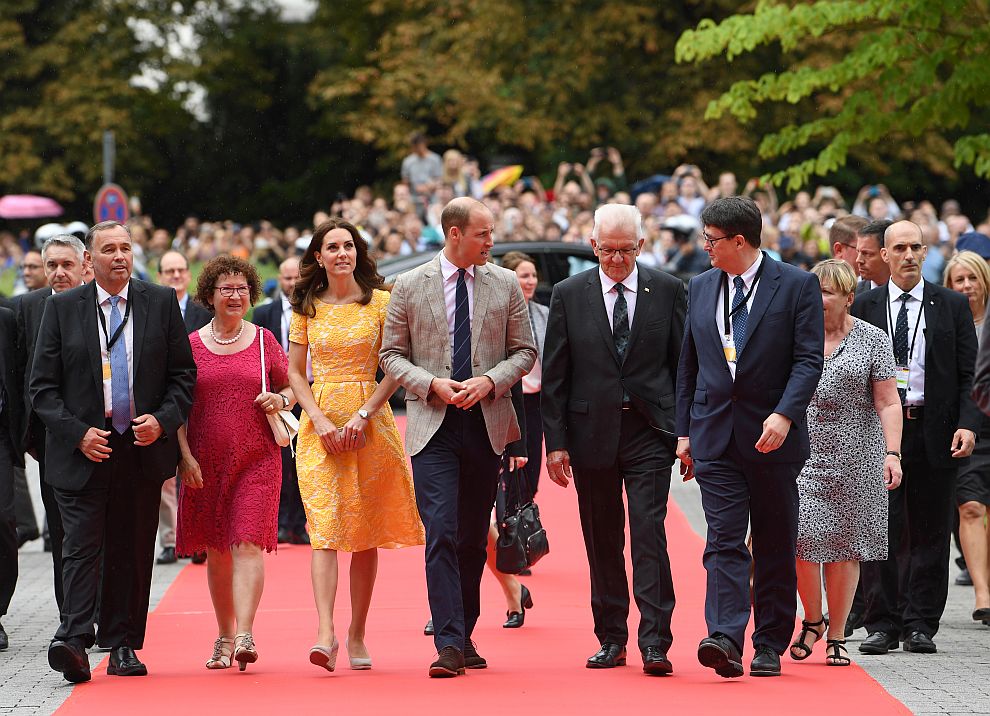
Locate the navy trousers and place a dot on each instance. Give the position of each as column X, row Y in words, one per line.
column 456, row 476
column 736, row 491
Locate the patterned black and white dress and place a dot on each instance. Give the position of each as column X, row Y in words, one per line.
column 843, row 509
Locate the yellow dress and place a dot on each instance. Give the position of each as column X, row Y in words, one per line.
column 363, row 498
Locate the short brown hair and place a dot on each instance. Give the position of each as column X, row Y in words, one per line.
column 845, row 229
column 512, row 259
column 225, row 265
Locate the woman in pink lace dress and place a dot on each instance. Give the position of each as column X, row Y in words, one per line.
column 230, row 465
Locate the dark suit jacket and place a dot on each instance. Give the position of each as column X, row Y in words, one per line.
column 30, row 308
column 583, row 379
column 11, row 382
column 66, row 383
column 777, row 370
column 950, row 355
column 196, row 316
column 862, row 287
column 270, row 316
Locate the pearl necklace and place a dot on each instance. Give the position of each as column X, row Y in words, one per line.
column 226, row 341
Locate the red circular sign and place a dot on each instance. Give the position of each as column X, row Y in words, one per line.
column 111, row 204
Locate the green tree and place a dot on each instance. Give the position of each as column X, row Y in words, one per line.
column 869, row 80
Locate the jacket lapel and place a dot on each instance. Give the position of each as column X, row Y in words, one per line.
column 89, row 325
column 482, row 292
column 644, row 298
column 932, row 307
column 139, row 315
column 434, row 294
column 706, row 297
column 596, row 307
column 765, row 290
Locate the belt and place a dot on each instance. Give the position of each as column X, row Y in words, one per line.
column 913, row 412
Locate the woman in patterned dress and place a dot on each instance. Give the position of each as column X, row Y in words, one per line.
column 854, row 418
column 354, row 478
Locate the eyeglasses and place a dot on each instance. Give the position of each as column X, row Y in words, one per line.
column 609, row 253
column 229, row 291
column 169, row 272
column 712, row 240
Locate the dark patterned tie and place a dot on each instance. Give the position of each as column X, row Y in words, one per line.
column 741, row 317
column 620, row 322
column 901, row 339
column 461, row 354
column 120, row 392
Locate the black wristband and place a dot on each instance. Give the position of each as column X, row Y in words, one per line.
column 894, row 453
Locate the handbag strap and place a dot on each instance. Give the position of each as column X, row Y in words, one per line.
column 261, row 342
column 517, row 477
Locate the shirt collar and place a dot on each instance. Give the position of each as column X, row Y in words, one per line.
column 184, row 301
column 630, row 282
column 286, row 306
column 749, row 274
column 102, row 296
column 448, row 269
column 894, row 291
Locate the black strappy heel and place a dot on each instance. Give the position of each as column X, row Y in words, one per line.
column 808, row 628
column 833, row 653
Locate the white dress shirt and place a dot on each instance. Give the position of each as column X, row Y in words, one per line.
column 449, row 272
column 103, row 304
column 916, row 358
column 748, row 277
column 630, row 284
column 286, row 321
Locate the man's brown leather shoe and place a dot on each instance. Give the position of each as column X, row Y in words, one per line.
column 450, row 662
column 472, row 659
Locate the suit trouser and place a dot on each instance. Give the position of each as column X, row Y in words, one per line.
column 907, row 591
column 8, row 523
column 534, row 439
column 291, row 513
column 53, row 515
column 23, row 506
column 109, row 522
column 734, row 491
column 455, row 477
column 643, row 466
column 168, row 511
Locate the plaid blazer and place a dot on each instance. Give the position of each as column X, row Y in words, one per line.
column 416, row 347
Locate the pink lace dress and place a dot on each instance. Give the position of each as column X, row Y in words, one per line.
column 230, row 438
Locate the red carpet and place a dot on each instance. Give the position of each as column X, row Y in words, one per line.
column 538, row 669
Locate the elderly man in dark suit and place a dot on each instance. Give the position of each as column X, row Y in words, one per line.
column 65, row 259
column 612, row 345
column 11, row 412
column 276, row 316
column 751, row 360
column 934, row 345
column 112, row 380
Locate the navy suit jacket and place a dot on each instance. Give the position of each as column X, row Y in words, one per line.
column 270, row 316
column 777, row 370
column 950, row 356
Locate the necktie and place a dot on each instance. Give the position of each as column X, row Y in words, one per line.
column 461, row 353
column 120, row 395
column 741, row 317
column 901, row 339
column 620, row 322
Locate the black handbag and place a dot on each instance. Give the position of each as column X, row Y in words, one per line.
column 522, row 541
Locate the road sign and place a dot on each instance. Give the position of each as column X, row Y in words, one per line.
column 110, row 204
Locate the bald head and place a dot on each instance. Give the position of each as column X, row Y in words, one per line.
column 904, row 251
column 902, row 228
column 288, row 274
column 458, row 213
column 173, row 271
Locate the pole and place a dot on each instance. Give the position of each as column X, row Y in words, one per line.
column 109, row 156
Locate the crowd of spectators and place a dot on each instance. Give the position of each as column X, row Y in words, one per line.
column 408, row 218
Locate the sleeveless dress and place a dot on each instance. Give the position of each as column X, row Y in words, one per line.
column 843, row 502
column 360, row 499
column 230, row 438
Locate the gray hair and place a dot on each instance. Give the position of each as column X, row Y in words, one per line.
column 618, row 216
column 67, row 240
column 103, row 226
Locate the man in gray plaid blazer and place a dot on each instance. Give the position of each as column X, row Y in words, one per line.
column 457, row 337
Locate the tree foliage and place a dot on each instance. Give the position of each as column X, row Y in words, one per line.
column 903, row 77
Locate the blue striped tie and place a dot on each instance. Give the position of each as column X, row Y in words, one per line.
column 741, row 317
column 120, row 394
column 461, row 353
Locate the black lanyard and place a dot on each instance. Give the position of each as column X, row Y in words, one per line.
column 727, row 327
column 917, row 323
column 120, row 329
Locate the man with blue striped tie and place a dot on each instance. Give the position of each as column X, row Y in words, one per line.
column 457, row 337
column 112, row 380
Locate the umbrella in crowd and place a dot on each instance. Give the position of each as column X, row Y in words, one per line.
column 28, row 206
column 501, row 177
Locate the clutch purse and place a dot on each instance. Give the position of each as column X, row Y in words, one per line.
column 284, row 424
column 522, row 540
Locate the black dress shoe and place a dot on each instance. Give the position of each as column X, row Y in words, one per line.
column 450, row 662
column 428, row 629
column 655, row 662
column 25, row 536
column 853, row 622
column 514, row 620
column 963, row 579
column 472, row 659
column 919, row 643
column 766, row 662
column 124, row 662
column 981, row 615
column 879, row 642
column 609, row 656
column 167, row 556
column 199, row 557
column 4, row 641
column 720, row 653
column 70, row 660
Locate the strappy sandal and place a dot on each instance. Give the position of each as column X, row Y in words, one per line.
column 834, row 649
column 808, row 628
column 244, row 650
column 223, row 648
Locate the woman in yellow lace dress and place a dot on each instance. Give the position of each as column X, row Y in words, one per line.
column 353, row 474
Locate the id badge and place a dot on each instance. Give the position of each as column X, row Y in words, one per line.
column 901, row 374
column 729, row 349
column 106, row 368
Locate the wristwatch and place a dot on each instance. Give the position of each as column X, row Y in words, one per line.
column 894, row 453
column 285, row 400
column 363, row 414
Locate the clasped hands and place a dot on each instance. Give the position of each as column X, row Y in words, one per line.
column 95, row 444
column 338, row 440
column 462, row 394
